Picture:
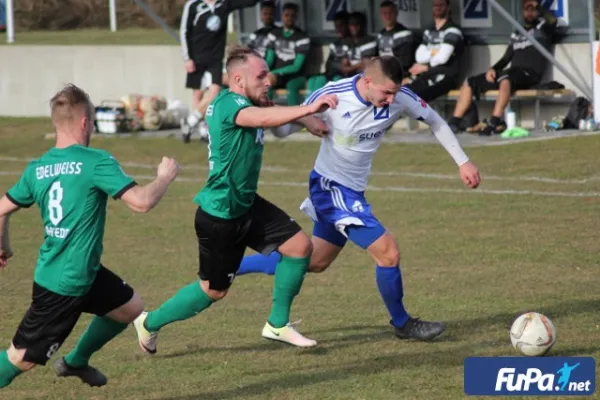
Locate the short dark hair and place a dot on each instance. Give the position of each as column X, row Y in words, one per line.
column 358, row 18
column 390, row 67
column 388, row 3
column 290, row 6
column 239, row 54
column 267, row 4
column 341, row 16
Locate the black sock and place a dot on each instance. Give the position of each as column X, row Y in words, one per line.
column 455, row 121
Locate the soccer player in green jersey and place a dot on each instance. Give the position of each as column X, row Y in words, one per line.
column 231, row 215
column 71, row 183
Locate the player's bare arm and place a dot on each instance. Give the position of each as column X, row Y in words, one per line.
column 276, row 116
column 7, row 208
column 144, row 198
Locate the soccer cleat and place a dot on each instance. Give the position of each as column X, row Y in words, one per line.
column 203, row 131
column 89, row 375
column 420, row 330
column 287, row 334
column 186, row 130
column 146, row 339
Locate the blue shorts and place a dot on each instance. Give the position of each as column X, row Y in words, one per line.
column 340, row 213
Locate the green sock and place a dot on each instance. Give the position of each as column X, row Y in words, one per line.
column 315, row 83
column 8, row 371
column 101, row 331
column 293, row 87
column 289, row 275
column 186, row 303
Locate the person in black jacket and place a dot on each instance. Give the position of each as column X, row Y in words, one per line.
column 333, row 64
column 437, row 68
column 203, row 35
column 527, row 68
column 359, row 46
column 395, row 39
column 286, row 55
column 259, row 39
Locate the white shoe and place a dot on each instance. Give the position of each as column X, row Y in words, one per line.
column 203, row 128
column 146, row 339
column 287, row 334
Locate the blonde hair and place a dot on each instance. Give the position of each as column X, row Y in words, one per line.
column 68, row 103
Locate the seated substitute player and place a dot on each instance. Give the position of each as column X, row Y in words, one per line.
column 395, row 39
column 359, row 46
column 368, row 105
column 527, row 66
column 232, row 216
column 437, row 67
column 259, row 39
column 288, row 48
column 333, row 70
column 71, row 183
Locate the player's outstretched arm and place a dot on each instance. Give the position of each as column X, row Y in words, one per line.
column 468, row 171
column 144, row 198
column 314, row 125
column 272, row 117
column 7, row 208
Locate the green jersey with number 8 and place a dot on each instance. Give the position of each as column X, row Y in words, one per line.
column 71, row 187
column 235, row 157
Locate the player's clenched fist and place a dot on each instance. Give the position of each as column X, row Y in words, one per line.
column 470, row 175
column 4, row 256
column 168, row 168
column 322, row 103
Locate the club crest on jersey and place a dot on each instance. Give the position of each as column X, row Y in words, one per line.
column 213, row 23
column 381, row 113
column 423, row 103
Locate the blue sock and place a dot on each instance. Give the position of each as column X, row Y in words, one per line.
column 389, row 282
column 259, row 263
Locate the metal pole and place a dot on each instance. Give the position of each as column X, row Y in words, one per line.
column 157, row 19
column 585, row 89
column 112, row 9
column 10, row 22
column 592, row 36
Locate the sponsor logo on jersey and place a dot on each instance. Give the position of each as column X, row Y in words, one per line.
column 370, row 136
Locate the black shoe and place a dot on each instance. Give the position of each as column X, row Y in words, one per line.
column 420, row 330
column 494, row 127
column 89, row 375
column 186, row 131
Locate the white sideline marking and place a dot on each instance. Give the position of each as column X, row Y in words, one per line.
column 268, row 168
column 401, row 189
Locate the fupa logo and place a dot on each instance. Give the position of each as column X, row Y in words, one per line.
column 558, row 376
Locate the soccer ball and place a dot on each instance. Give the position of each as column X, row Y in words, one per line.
column 533, row 334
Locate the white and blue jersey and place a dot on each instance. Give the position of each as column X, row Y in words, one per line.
column 341, row 171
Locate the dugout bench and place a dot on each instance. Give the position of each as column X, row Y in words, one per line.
column 445, row 103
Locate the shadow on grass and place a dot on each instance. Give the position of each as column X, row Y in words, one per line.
column 449, row 357
column 325, row 345
column 505, row 320
column 298, row 379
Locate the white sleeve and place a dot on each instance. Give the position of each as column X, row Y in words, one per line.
column 287, row 129
column 423, row 55
column 443, row 55
column 417, row 108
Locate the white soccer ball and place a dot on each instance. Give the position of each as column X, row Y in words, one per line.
column 533, row 334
